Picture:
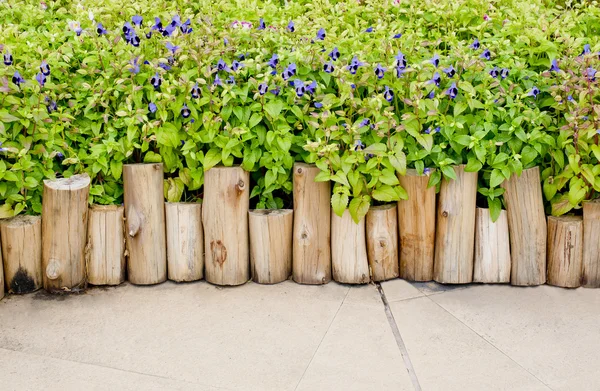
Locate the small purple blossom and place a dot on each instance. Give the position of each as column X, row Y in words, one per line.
column 435, row 60
column 321, row 34
column 52, row 107
column 8, row 59
column 369, row 30
column 290, row 27
column 185, row 27
column 318, row 105
column 185, row 111
column 261, row 24
column 590, row 73
column 399, row 35
column 100, row 30
column 328, row 67
column 152, row 107
column 164, row 66
column 335, row 54
column 388, row 94
column 222, row 66
column 554, row 66
column 17, row 79
column 195, row 91
column 450, row 71
column 379, row 71
column 354, row 65
column 274, row 61
column 217, row 81
column 311, row 87
column 431, row 95
column 436, row 79
column 171, row 47
column 157, row 25
column 135, row 67
column 299, row 87
column 400, row 60
column 235, row 65
column 41, row 79
column 262, row 88
column 475, row 45
column 137, row 20
column 156, row 81
column 534, row 92
column 494, row 72
column 487, row 55
column 504, row 73
column 358, row 145
column 45, row 68
column 586, row 49
column 452, row 92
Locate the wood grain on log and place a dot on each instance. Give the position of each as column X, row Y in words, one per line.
column 349, row 249
column 565, row 251
column 185, row 241
column 22, row 253
column 382, row 242
column 271, row 244
column 492, row 248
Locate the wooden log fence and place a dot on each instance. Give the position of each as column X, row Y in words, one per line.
column 221, row 240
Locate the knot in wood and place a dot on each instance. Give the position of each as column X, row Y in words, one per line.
column 241, row 184
column 304, row 235
column 53, row 269
column 382, row 243
column 445, row 213
column 299, row 170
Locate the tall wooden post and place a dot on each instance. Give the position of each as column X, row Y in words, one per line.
column 382, row 242
column 271, row 244
column 565, row 251
column 22, row 253
column 64, row 233
column 416, row 224
column 349, row 249
column 591, row 244
column 455, row 231
column 527, row 226
column 106, row 245
column 312, row 227
column 225, row 217
column 145, row 223
column 185, row 241
column 492, row 249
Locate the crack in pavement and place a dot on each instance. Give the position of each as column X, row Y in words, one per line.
column 399, row 341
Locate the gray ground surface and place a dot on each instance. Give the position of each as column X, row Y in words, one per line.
column 296, row 337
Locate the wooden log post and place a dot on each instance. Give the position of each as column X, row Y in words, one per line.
column 455, row 230
column 64, row 233
column 416, row 226
column 527, row 227
column 225, row 217
column 105, row 259
column 565, row 251
column 1, row 275
column 382, row 242
column 145, row 223
column 591, row 244
column 271, row 244
column 492, row 249
column 185, row 241
column 349, row 249
column 312, row 227
column 22, row 253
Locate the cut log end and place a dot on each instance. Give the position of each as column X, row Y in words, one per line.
column 75, row 182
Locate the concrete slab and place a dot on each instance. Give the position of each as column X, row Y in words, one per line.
column 447, row 355
column 358, row 353
column 398, row 289
column 552, row 332
column 249, row 337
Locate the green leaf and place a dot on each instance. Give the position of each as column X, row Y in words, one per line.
column 385, row 193
column 449, row 172
column 254, row 120
column 495, row 206
column 323, row 176
column 359, row 207
column 399, row 163
column 151, row 157
column 496, row 178
column 116, row 168
column 549, row 188
column 212, row 158
column 339, row 201
column 388, row 177
column 273, row 108
column 473, row 165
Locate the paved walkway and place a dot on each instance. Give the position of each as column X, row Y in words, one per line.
column 295, row 337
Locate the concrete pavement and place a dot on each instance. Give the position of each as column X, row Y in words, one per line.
column 297, row 337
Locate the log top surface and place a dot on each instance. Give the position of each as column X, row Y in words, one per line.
column 74, row 182
column 270, row 212
column 106, row 207
column 383, row 207
column 413, row 172
column 566, row 218
column 19, row 221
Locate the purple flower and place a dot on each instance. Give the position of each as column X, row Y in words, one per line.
column 170, row 29
column 437, row 129
column 504, row 73
column 52, row 107
column 450, row 71
column 311, row 87
column 534, row 92
column 328, row 67
column 397, row 36
column 222, row 66
column 318, row 105
column 427, row 131
column 299, row 87
column 127, row 28
column 431, row 95
column 452, row 92
column 262, row 88
column 354, row 65
column 171, row 47
column 149, row 34
column 8, row 59
column 364, row 122
column 321, row 34
column 261, row 24
column 45, row 68
column 400, row 60
column 156, row 81
column 17, row 79
column 185, row 27
column 335, row 54
column 152, row 107
column 399, row 71
column 475, row 45
column 358, row 145
column 217, row 81
column 554, row 67
column 570, row 98
column 289, row 71
column 275, row 91
column 353, row 86
column 486, row 54
column 60, row 156
column 225, row 41
column 590, row 73
column 164, row 66
column 135, row 67
column 195, row 91
column 137, row 20
column 379, row 71
column 176, row 21
column 436, row 79
column 230, row 80
column 274, row 61
column 41, row 79
column 586, row 49
column 388, row 94
column 185, row 111
column 494, row 72
column 427, row 171
column 291, row 28
column 157, row 25
column 369, row 30
column 100, row 29
column 235, row 65
column 435, row 60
